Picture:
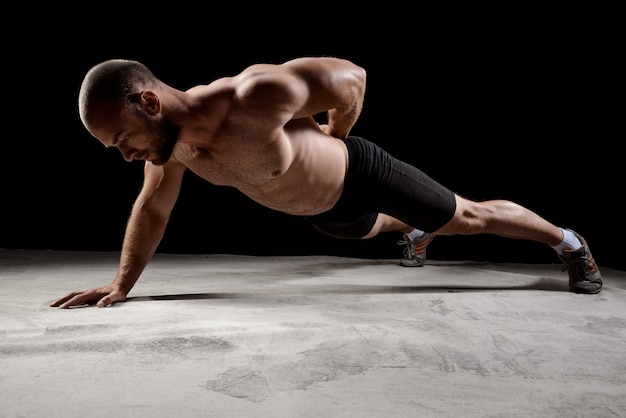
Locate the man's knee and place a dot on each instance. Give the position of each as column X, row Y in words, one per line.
column 469, row 217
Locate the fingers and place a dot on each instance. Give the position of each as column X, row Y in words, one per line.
column 105, row 301
column 62, row 302
column 77, row 298
column 101, row 296
column 111, row 298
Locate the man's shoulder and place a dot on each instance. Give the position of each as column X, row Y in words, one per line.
column 216, row 86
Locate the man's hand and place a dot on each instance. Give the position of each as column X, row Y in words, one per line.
column 103, row 296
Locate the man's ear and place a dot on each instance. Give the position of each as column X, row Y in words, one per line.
column 150, row 102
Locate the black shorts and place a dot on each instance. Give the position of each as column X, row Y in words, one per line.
column 377, row 182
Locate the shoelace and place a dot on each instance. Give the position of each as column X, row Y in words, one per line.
column 411, row 246
column 586, row 264
column 409, row 250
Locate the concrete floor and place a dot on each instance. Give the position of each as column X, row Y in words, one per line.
column 319, row 336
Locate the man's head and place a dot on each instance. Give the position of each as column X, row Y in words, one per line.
column 119, row 104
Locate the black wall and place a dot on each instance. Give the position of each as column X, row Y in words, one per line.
column 523, row 111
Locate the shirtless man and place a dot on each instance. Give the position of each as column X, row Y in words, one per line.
column 257, row 132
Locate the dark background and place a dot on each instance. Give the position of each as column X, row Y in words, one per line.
column 520, row 108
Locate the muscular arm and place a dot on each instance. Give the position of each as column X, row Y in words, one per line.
column 148, row 219
column 304, row 87
column 146, row 225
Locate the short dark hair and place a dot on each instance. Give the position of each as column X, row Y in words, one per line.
column 113, row 81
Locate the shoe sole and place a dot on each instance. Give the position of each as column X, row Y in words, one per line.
column 586, row 290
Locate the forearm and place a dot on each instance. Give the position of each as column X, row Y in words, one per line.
column 348, row 83
column 341, row 121
column 143, row 235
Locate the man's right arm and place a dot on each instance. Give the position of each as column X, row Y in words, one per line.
column 145, row 229
column 304, row 87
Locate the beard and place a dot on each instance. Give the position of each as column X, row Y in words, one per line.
column 166, row 135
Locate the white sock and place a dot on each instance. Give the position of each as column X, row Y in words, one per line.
column 570, row 242
column 415, row 233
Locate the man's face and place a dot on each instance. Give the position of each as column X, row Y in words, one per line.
column 138, row 136
column 164, row 134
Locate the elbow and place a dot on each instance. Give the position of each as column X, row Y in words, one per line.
column 148, row 210
column 360, row 77
column 357, row 91
column 361, row 74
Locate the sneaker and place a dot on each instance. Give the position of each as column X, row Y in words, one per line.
column 415, row 251
column 584, row 275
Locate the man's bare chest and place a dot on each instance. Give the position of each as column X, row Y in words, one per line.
column 235, row 166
